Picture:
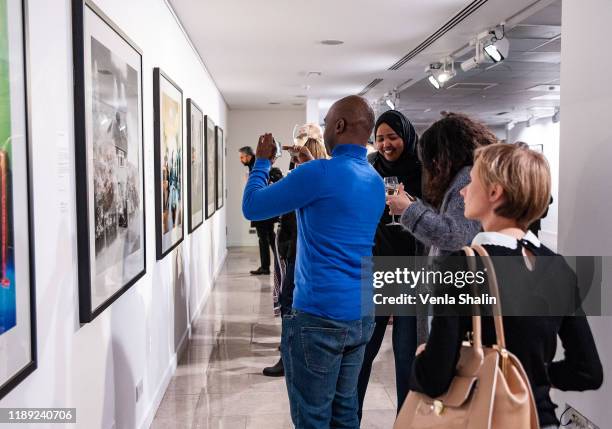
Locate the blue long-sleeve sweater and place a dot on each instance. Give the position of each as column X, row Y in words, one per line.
column 339, row 203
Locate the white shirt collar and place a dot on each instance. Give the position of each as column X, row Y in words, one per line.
column 499, row 239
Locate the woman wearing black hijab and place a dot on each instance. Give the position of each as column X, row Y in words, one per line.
column 396, row 142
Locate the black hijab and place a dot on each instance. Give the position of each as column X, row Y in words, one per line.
column 407, row 167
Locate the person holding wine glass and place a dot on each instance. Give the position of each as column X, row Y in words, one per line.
column 397, row 163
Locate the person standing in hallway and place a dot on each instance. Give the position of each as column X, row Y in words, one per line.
column 339, row 202
column 396, row 141
column 446, row 150
column 264, row 227
column 313, row 148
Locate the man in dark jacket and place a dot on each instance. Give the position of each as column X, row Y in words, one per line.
column 264, row 228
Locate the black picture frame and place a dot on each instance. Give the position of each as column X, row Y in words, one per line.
column 32, row 364
column 158, row 75
column 87, row 310
column 210, row 167
column 219, row 167
column 191, row 107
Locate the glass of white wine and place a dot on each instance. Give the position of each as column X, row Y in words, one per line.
column 392, row 188
column 300, row 135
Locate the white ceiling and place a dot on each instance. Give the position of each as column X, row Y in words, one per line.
column 260, row 52
column 519, row 86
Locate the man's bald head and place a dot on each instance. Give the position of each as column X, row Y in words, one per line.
column 349, row 120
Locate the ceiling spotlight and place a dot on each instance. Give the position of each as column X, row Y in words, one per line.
column 490, row 46
column 496, row 47
column 531, row 121
column 440, row 73
column 434, row 82
column 391, row 99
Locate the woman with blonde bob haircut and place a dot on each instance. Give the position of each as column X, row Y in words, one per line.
column 517, row 181
column 509, row 189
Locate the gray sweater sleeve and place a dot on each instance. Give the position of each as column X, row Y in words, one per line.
column 449, row 230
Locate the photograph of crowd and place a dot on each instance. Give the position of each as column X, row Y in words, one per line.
column 117, row 175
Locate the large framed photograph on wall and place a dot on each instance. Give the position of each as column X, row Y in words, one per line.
column 220, row 177
column 168, row 141
column 211, row 183
column 17, row 300
column 195, row 166
column 109, row 159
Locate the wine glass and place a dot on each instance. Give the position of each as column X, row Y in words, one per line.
column 300, row 135
column 392, row 188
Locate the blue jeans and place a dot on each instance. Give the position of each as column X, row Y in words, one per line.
column 322, row 359
column 404, row 347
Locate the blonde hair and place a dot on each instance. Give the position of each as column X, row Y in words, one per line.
column 311, row 131
column 316, row 148
column 312, row 135
column 523, row 174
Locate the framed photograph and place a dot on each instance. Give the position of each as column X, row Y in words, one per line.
column 168, row 124
column 220, row 179
column 195, row 167
column 109, row 159
column 211, row 171
column 17, row 300
column 537, row 147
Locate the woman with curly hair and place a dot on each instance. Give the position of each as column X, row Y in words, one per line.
column 446, row 150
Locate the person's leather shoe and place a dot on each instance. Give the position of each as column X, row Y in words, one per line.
column 278, row 370
column 260, row 271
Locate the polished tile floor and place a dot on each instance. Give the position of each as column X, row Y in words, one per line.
column 218, row 382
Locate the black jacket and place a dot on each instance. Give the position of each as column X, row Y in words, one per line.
column 287, row 236
column 533, row 339
column 394, row 240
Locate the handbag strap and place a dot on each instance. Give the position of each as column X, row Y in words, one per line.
column 494, row 290
column 476, row 319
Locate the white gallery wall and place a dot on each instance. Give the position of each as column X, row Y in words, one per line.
column 546, row 133
column 96, row 367
column 245, row 127
column 585, row 181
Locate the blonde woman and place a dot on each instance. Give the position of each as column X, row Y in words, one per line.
column 509, row 189
column 309, row 145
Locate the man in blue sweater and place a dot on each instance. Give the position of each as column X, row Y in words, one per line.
column 339, row 202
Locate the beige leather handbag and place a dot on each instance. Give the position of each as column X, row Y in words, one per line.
column 490, row 388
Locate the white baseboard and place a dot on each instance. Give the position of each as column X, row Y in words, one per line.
column 159, row 394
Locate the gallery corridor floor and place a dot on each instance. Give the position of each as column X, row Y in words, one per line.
column 218, row 382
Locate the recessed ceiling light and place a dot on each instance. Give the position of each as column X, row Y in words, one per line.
column 301, row 96
column 331, row 42
column 297, row 104
column 274, row 102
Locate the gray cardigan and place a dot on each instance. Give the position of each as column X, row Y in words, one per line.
column 446, row 230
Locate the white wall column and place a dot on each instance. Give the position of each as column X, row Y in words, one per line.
column 312, row 110
column 585, row 176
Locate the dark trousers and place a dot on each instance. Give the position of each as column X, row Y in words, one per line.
column 267, row 238
column 322, row 359
column 404, row 348
column 286, row 294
